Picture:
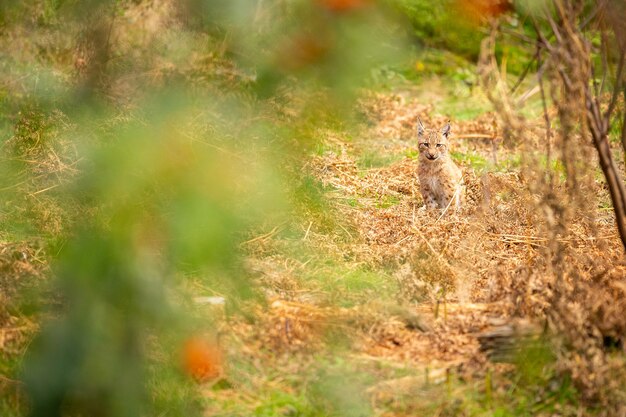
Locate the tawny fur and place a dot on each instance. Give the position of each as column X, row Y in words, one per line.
column 441, row 181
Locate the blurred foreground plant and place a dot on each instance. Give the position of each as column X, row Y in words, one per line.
column 190, row 120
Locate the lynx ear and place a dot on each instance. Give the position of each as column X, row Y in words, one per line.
column 446, row 130
column 420, row 127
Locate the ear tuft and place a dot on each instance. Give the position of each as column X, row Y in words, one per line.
column 420, row 127
column 446, row 129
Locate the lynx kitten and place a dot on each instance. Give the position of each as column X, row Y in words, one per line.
column 441, row 181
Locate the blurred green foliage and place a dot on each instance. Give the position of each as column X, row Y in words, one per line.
column 441, row 24
column 449, row 26
column 186, row 133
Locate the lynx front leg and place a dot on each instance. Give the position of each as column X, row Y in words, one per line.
column 460, row 197
column 431, row 204
column 451, row 199
column 429, row 201
column 451, row 202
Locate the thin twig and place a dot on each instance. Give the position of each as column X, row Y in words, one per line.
column 476, row 136
column 308, row 230
column 592, row 15
column 454, row 196
column 45, row 189
column 552, row 23
column 522, row 76
column 624, row 123
column 261, row 237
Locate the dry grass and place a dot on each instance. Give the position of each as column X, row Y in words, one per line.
column 22, row 268
column 456, row 275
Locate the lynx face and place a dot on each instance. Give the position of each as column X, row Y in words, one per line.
column 433, row 144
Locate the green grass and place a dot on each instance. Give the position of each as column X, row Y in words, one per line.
column 353, row 202
column 375, row 159
column 387, row 201
column 347, row 286
column 322, row 148
column 281, row 403
column 464, row 108
column 173, row 393
column 473, row 160
column 482, row 164
column 412, row 154
column 336, row 383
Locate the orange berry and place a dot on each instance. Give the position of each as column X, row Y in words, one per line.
column 342, row 5
column 477, row 10
column 303, row 51
column 202, row 359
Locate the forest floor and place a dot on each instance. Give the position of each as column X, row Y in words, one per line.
column 377, row 308
column 369, row 304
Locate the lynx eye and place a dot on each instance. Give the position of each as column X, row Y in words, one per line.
column 439, row 145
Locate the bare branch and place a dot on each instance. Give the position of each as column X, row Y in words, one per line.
column 624, row 124
column 553, row 25
column 601, row 5
column 607, row 163
column 566, row 79
column 519, row 36
column 523, row 75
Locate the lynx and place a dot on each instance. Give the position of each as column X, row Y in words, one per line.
column 441, row 181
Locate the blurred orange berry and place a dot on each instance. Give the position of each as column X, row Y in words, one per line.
column 202, row 359
column 303, row 51
column 478, row 10
column 342, row 5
